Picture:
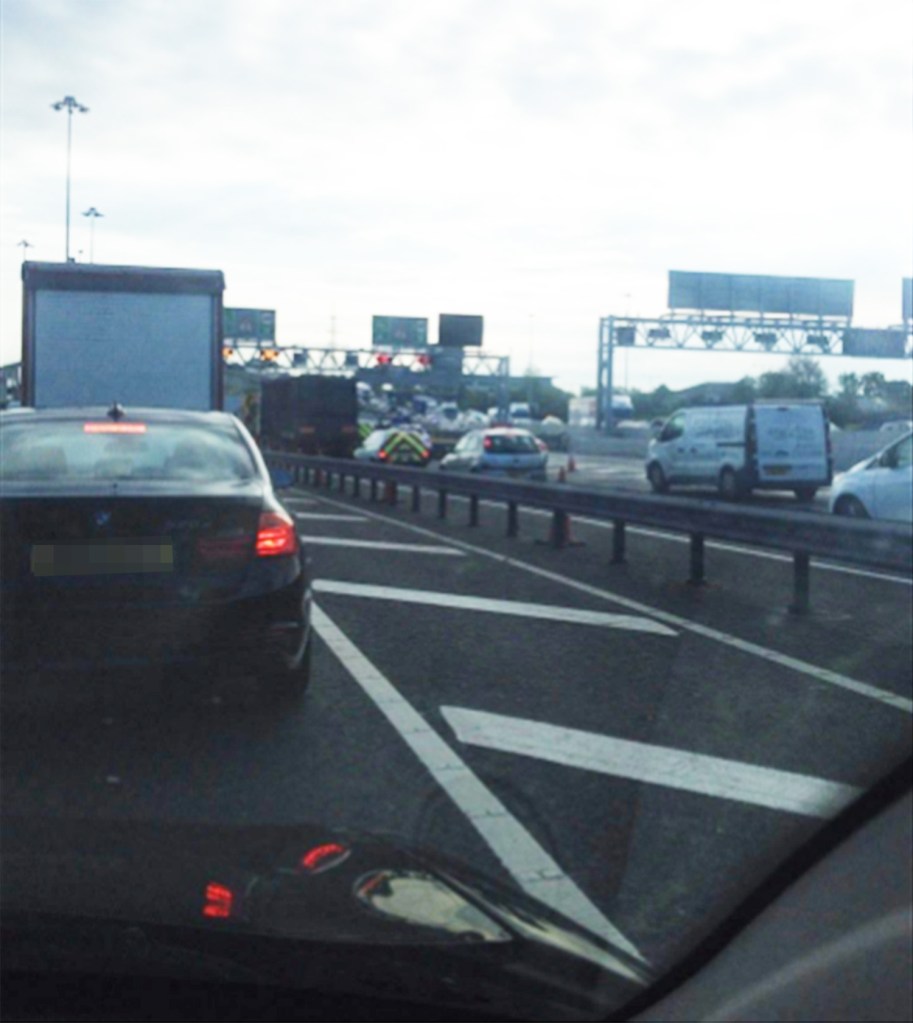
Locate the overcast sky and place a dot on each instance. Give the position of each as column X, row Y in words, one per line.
column 541, row 162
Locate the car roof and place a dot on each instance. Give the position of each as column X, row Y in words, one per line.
column 130, row 413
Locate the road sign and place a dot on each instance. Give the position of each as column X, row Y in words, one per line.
column 249, row 324
column 458, row 331
column 876, row 344
column 399, row 331
column 793, row 296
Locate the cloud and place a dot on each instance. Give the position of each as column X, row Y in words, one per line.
column 517, row 157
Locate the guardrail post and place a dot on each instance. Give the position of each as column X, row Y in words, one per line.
column 442, row 504
column 513, row 519
column 342, row 482
column 373, row 489
column 416, row 499
column 560, row 529
column 329, row 480
column 473, row 509
column 356, row 486
column 390, row 492
column 697, row 559
column 801, row 583
column 618, row 542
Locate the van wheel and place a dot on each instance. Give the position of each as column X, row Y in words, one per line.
column 851, row 506
column 729, row 487
column 657, row 478
column 806, row 494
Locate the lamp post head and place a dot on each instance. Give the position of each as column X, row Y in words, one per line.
column 70, row 104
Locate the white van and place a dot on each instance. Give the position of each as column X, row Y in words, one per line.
column 775, row 445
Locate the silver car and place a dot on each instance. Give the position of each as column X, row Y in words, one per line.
column 499, row 451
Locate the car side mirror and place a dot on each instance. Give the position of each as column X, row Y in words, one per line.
column 281, row 479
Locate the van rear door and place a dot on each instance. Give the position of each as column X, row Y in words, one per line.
column 791, row 444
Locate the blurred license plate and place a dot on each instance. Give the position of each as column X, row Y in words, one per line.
column 106, row 558
column 776, row 470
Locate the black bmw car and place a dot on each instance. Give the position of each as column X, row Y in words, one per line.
column 148, row 536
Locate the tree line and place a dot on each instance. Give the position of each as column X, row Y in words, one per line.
column 859, row 400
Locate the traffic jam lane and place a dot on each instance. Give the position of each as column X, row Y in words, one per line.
column 466, row 669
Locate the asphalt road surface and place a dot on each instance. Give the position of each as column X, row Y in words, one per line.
column 630, row 748
column 622, row 472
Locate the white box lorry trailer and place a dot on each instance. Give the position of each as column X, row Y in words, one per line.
column 137, row 335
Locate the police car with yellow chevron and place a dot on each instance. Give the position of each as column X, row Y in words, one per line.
column 396, row 445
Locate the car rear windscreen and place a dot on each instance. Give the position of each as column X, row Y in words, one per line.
column 75, row 450
column 510, row 444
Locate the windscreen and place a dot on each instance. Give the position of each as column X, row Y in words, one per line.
column 510, row 444
column 81, row 450
column 591, row 649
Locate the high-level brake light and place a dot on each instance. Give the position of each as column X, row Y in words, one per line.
column 113, row 427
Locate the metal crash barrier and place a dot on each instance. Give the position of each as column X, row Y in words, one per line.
column 803, row 535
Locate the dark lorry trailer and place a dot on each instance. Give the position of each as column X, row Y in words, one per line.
column 310, row 415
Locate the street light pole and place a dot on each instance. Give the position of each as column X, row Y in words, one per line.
column 93, row 215
column 25, row 246
column 69, row 104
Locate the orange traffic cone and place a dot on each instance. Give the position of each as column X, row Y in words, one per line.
column 562, row 476
column 390, row 493
column 571, row 464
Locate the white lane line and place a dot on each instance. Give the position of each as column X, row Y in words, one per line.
column 529, row 864
column 307, row 502
column 380, row 545
column 824, row 675
column 718, row 545
column 490, row 606
column 327, row 517
column 655, row 765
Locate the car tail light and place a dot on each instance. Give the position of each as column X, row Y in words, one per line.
column 487, row 443
column 276, row 535
column 383, row 455
column 219, row 901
